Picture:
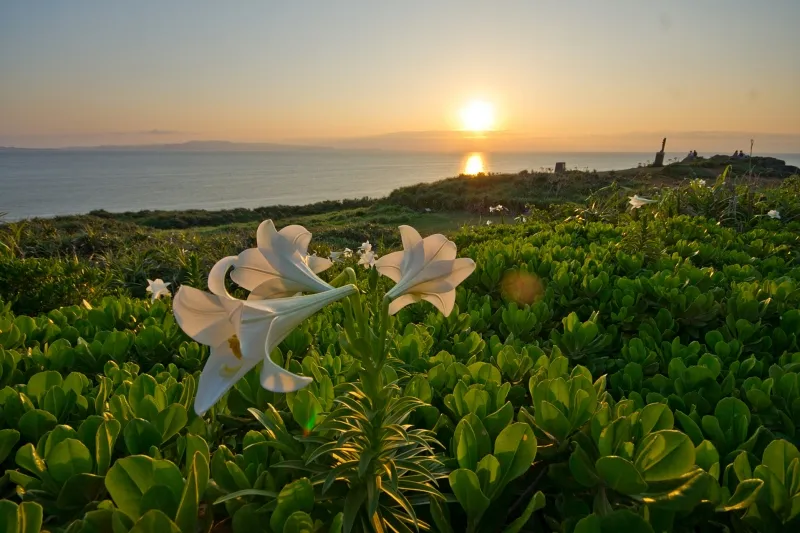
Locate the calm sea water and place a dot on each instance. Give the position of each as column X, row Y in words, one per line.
column 48, row 183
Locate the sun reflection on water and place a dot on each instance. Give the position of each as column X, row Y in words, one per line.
column 474, row 165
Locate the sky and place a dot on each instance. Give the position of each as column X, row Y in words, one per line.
column 571, row 74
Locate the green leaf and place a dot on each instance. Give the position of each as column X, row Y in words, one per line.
column 488, row 472
column 440, row 514
column 773, row 492
column 553, row 421
column 655, row 417
column 140, row 435
column 466, row 445
column 305, row 410
column 620, row 475
column 690, row 427
column 68, row 458
column 466, row 488
column 170, row 421
column 296, row 496
column 695, row 487
column 186, row 517
column 665, row 455
column 741, row 467
column 105, row 438
column 515, row 448
column 250, row 518
column 28, row 459
column 298, row 522
column 29, row 517
column 8, row 439
column 246, row 492
column 155, row 520
column 161, row 498
column 80, row 490
column 537, row 502
column 130, row 477
column 613, row 522
column 35, row 423
column 196, row 444
column 706, row 455
column 40, row 383
column 499, row 420
column 352, row 504
column 777, row 456
column 580, row 464
column 23, row 518
column 745, row 494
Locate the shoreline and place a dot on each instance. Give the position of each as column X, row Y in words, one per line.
column 670, row 174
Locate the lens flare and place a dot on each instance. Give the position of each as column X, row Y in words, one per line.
column 523, row 288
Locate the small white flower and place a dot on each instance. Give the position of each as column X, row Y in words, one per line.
column 491, row 209
column 368, row 259
column 521, row 218
column 426, row 269
column 158, row 288
column 348, row 252
column 774, row 214
column 488, row 222
column 427, row 209
column 637, row 201
column 365, row 247
column 243, row 333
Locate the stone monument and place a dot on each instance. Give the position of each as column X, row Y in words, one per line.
column 659, row 160
column 561, row 167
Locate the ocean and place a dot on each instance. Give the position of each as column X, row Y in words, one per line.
column 44, row 183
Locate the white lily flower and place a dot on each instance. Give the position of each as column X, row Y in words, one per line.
column 427, row 269
column 335, row 256
column 347, row 252
column 491, row 209
column 637, row 201
column 488, row 222
column 365, row 247
column 158, row 288
column 774, row 214
column 243, row 333
column 368, row 259
column 280, row 265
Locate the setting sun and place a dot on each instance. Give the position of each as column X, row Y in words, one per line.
column 478, row 116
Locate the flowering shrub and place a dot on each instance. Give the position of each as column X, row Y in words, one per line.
column 641, row 375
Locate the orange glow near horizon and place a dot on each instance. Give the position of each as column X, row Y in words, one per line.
column 474, row 165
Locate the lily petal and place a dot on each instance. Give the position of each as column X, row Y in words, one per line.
column 281, row 255
column 276, row 379
column 402, row 301
column 202, row 316
column 390, row 265
column 216, row 278
column 297, row 235
column 221, row 372
column 426, row 269
column 443, row 301
column 319, row 264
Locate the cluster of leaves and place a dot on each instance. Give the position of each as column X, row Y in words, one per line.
column 579, row 385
